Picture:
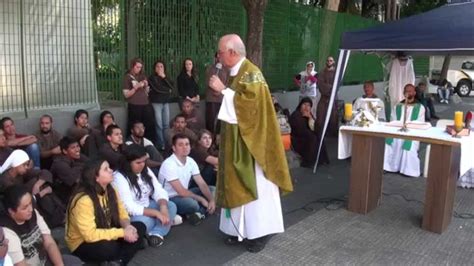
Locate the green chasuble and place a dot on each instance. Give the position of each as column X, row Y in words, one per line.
column 256, row 138
column 414, row 116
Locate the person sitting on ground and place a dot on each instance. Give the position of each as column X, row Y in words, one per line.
column 5, row 151
column 106, row 118
column 369, row 96
column 67, row 168
column 98, row 228
column 18, row 170
column 29, row 238
column 206, row 158
column 83, row 133
column 445, row 90
column 304, row 138
column 137, row 137
column 283, row 116
column 112, row 150
column 5, row 259
column 194, row 120
column 424, row 98
column 179, row 126
column 144, row 198
column 307, row 81
column 48, row 140
column 27, row 143
column 402, row 155
column 175, row 174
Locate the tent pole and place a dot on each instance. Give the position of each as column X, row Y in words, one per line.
column 340, row 70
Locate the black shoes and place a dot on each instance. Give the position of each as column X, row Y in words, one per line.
column 253, row 245
column 196, row 218
column 155, row 240
column 256, row 245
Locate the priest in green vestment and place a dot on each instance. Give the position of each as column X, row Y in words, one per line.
column 253, row 170
column 402, row 155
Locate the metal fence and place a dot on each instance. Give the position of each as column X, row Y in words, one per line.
column 45, row 55
column 173, row 30
column 59, row 53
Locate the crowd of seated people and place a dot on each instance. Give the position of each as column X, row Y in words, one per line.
column 109, row 193
column 111, row 188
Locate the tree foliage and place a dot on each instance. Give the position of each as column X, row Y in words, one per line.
column 413, row 7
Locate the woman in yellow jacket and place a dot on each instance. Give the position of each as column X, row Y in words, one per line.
column 98, row 228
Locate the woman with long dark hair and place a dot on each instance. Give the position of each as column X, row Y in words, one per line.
column 161, row 91
column 143, row 197
column 187, row 82
column 135, row 90
column 29, row 238
column 98, row 228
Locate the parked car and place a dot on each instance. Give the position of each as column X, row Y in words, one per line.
column 461, row 80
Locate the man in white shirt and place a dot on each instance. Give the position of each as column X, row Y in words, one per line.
column 175, row 174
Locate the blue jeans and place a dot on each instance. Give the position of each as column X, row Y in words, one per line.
column 444, row 93
column 187, row 205
column 162, row 116
column 33, row 152
column 153, row 225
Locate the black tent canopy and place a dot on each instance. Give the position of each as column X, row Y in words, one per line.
column 445, row 30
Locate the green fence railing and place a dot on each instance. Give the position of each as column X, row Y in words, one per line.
column 173, row 30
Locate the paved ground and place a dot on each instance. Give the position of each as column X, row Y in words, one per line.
column 391, row 234
column 314, row 235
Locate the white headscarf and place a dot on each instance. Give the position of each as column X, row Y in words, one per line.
column 313, row 72
column 16, row 158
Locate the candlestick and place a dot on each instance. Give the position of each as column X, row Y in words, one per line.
column 348, row 111
column 458, row 115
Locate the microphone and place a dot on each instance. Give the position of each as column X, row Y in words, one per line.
column 218, row 67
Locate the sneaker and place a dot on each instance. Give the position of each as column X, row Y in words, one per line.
column 196, row 218
column 155, row 240
column 177, row 220
column 446, row 101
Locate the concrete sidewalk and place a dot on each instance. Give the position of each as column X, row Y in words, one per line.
column 391, row 234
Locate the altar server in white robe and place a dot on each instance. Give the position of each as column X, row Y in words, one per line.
column 252, row 165
column 402, row 155
column 370, row 99
column 401, row 73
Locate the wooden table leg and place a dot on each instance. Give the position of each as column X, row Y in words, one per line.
column 365, row 189
column 441, row 187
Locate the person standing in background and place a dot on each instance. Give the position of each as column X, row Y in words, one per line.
column 161, row 90
column 213, row 99
column 308, row 84
column 325, row 82
column 187, row 83
column 135, row 90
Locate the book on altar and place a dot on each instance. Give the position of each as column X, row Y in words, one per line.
column 410, row 124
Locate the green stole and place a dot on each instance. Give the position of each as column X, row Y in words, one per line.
column 242, row 160
column 414, row 115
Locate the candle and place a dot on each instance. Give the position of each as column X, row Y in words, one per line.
column 348, row 111
column 458, row 115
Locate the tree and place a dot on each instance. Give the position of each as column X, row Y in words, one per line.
column 329, row 20
column 255, row 17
